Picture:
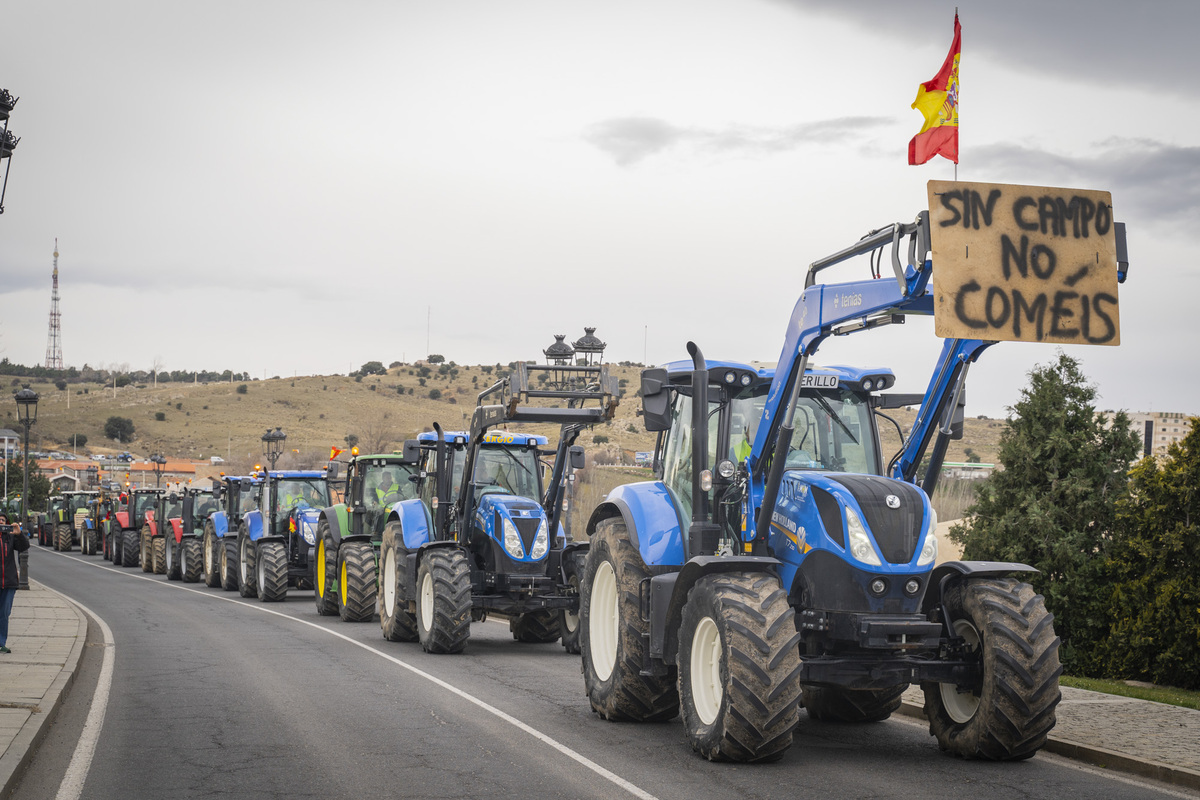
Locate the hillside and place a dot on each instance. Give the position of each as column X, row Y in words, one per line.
column 316, row 412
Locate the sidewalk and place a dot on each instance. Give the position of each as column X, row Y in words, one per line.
column 46, row 635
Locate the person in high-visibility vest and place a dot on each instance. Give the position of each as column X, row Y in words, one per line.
column 387, row 491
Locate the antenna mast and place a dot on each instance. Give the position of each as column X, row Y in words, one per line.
column 54, row 359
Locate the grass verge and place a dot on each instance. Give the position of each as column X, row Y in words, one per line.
column 1157, row 694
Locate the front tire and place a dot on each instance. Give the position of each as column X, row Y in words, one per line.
column 739, row 667
column 63, row 537
column 357, row 582
column 146, row 550
column 158, row 552
column 322, row 578
column 398, row 623
column 1007, row 627
column 568, row 620
column 173, row 550
column 229, row 563
column 444, row 601
column 610, row 633
column 191, row 560
column 212, row 556
column 271, row 572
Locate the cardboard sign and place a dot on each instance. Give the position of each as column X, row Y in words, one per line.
column 1023, row 263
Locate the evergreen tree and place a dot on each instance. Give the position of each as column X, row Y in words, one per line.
column 1155, row 595
column 1052, row 506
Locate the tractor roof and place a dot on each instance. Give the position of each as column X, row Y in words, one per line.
column 736, row 372
column 491, row 437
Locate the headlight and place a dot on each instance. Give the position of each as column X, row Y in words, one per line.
column 309, row 532
column 541, row 542
column 929, row 549
column 860, row 543
column 512, row 539
column 726, row 469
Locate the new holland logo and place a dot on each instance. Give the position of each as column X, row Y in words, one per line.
column 892, row 501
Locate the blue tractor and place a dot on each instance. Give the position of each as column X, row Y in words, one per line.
column 276, row 539
column 484, row 536
column 235, row 496
column 781, row 561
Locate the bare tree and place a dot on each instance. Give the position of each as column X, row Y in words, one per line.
column 376, row 434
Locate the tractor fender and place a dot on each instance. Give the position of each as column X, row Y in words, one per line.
column 254, row 525
column 416, row 524
column 338, row 519
column 152, row 525
column 176, row 531
column 947, row 573
column 652, row 518
column 669, row 594
column 220, row 524
column 122, row 518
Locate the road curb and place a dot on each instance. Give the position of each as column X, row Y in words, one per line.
column 21, row 751
column 1099, row 757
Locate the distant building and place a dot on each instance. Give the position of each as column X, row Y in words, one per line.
column 1165, row 428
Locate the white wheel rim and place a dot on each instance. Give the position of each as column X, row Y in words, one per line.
column 389, row 583
column 603, row 621
column 427, row 601
column 170, row 556
column 208, row 554
column 961, row 706
column 183, row 556
column 707, row 689
column 242, row 563
column 260, row 571
column 571, row 620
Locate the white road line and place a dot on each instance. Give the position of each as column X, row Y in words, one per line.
column 535, row 733
column 71, row 787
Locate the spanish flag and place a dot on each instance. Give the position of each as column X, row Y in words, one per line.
column 937, row 99
column 334, row 453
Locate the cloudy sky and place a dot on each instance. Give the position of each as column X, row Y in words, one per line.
column 302, row 186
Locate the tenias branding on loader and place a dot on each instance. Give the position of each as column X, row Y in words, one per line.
column 847, row 300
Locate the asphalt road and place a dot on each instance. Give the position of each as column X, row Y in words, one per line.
column 213, row 695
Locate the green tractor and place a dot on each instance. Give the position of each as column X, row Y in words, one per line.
column 345, row 567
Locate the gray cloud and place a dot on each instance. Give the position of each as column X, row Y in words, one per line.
column 1148, row 45
column 1151, row 180
column 630, row 139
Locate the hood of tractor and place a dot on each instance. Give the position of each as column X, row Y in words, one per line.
column 517, row 524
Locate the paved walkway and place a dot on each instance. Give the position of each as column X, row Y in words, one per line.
column 47, row 635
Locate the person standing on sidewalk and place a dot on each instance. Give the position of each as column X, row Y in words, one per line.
column 11, row 543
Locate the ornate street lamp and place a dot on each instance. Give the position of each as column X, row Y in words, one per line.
column 273, row 445
column 159, row 463
column 7, row 140
column 27, row 401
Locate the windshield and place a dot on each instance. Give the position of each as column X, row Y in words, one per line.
column 247, row 499
column 174, row 509
column 79, row 501
column 512, row 470
column 205, row 505
column 833, row 432
column 143, row 503
column 386, row 484
column 302, row 493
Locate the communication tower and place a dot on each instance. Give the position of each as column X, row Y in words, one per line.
column 54, row 359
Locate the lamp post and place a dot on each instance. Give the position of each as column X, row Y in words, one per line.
column 7, row 141
column 159, row 462
column 273, row 445
column 27, row 401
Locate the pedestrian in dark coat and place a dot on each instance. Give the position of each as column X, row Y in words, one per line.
column 12, row 541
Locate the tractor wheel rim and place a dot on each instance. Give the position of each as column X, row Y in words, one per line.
column 961, row 706
column 604, row 621
column 242, row 553
column 705, row 664
column 320, row 576
column 427, row 602
column 345, row 595
column 389, row 583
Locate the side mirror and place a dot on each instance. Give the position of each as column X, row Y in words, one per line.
column 412, row 451
column 173, row 498
column 575, row 457
column 333, row 470
column 656, row 399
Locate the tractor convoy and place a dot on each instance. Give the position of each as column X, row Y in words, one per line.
column 778, row 560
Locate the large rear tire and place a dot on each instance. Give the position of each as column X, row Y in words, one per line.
column 130, row 548
column 247, row 577
column 398, row 623
column 173, row 551
column 158, row 552
column 229, row 563
column 357, row 582
column 535, row 627
column 568, row 619
column 1007, row 627
column 739, row 667
column 322, row 575
column 191, row 560
column 211, row 546
column 444, row 601
column 271, row 572
column 610, row 633
column 146, row 550
column 831, row 704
